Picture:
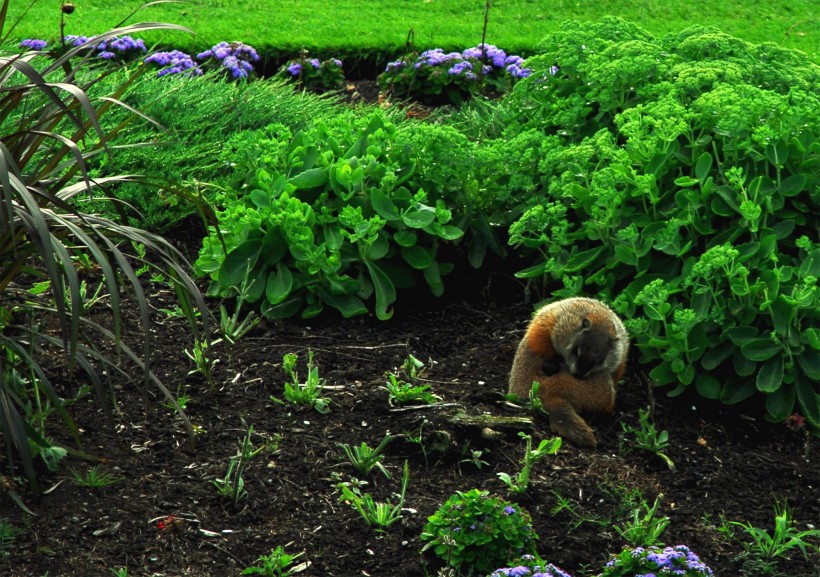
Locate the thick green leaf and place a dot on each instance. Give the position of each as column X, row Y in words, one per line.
column 708, row 386
column 534, row 271
column 405, row 237
column 385, row 291
column 793, row 185
column 716, row 355
column 416, row 218
column 582, row 260
column 780, row 404
column 809, row 361
column 383, row 206
column 703, row 166
column 809, row 400
column 286, row 308
column 432, row 274
column 417, row 256
column 279, row 285
column 238, row 262
column 261, row 198
column 770, row 376
column 761, row 349
column 347, row 304
column 313, row 178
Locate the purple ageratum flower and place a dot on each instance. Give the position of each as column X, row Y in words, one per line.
column 236, row 57
column 314, row 62
column 394, row 65
column 436, row 57
column 520, row 571
column 174, row 62
column 295, row 69
column 509, row 510
column 460, row 68
column 106, row 55
column 553, row 70
column 516, row 71
column 494, row 54
column 33, row 44
column 75, row 40
column 336, row 62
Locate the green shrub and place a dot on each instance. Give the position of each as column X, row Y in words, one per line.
column 324, row 216
column 682, row 175
column 475, row 532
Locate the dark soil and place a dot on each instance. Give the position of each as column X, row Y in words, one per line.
column 165, row 517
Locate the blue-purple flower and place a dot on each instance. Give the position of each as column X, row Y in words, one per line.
column 235, row 57
column 174, row 62
column 33, row 44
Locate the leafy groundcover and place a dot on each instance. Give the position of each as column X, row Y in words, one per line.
column 164, row 515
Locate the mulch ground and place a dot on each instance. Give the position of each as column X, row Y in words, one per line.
column 165, row 517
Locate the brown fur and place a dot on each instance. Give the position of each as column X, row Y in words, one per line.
column 564, row 395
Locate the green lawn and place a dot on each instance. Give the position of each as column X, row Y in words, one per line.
column 369, row 26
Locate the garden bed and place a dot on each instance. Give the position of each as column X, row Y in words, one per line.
column 165, row 517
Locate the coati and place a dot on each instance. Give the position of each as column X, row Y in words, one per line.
column 576, row 349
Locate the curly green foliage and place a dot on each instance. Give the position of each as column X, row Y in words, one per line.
column 327, row 216
column 685, row 178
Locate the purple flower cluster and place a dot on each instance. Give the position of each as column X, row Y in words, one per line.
column 488, row 52
column 436, row 57
column 466, row 63
column 75, row 40
column 33, row 44
column 679, row 560
column 237, row 58
column 174, row 62
column 548, row 570
column 120, row 47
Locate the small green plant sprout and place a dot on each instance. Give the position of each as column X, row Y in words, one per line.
column 474, row 457
column 407, row 390
column 648, row 438
column 182, row 400
column 764, row 550
column 530, row 566
column 644, row 529
column 276, row 564
column 641, row 562
column 231, row 326
column 378, row 515
column 93, row 478
column 8, row 534
column 403, row 393
column 308, row 393
column 532, row 403
column 474, row 532
column 531, row 456
column 364, row 459
column 564, row 504
column 121, row 572
column 232, row 485
column 204, row 359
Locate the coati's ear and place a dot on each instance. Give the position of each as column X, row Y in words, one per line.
column 585, row 323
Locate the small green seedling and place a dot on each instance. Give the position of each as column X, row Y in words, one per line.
column 277, row 564
column 364, row 459
column 308, row 393
column 648, row 438
column 645, row 529
column 531, row 456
